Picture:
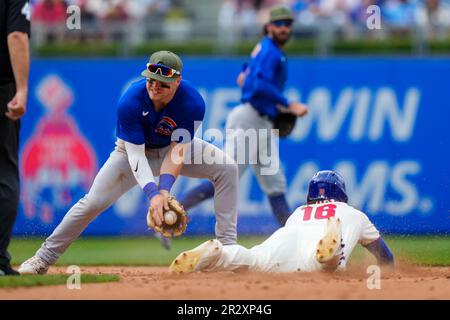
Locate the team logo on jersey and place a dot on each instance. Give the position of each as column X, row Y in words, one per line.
column 57, row 162
column 166, row 126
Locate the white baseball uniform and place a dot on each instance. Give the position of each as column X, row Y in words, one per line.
column 293, row 247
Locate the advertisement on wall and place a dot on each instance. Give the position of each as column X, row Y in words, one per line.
column 381, row 123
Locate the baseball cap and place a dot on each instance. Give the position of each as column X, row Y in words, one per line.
column 166, row 59
column 280, row 13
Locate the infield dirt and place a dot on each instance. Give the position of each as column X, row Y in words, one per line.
column 407, row 282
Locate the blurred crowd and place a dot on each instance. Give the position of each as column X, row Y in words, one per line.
column 53, row 11
column 350, row 16
column 239, row 19
column 100, row 19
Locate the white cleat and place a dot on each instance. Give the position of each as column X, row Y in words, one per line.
column 199, row 258
column 329, row 248
column 34, row 265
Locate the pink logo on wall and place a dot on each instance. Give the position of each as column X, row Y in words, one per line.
column 57, row 163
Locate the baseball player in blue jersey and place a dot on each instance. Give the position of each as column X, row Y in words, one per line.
column 262, row 81
column 156, row 121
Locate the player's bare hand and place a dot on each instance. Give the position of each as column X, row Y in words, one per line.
column 298, row 109
column 17, row 106
column 165, row 194
column 156, row 207
column 240, row 79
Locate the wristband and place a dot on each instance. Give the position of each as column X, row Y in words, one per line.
column 151, row 190
column 166, row 181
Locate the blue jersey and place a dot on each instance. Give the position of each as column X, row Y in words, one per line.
column 265, row 78
column 139, row 123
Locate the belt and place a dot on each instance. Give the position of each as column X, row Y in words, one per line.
column 260, row 113
column 264, row 116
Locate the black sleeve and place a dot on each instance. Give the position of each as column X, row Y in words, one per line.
column 18, row 16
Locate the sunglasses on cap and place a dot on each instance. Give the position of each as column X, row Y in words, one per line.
column 163, row 70
column 282, row 23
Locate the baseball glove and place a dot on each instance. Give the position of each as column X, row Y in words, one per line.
column 170, row 230
column 285, row 123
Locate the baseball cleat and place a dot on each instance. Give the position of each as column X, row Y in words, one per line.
column 8, row 271
column 165, row 242
column 329, row 247
column 199, row 258
column 34, row 265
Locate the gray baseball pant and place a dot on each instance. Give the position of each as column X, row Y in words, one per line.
column 115, row 178
column 270, row 175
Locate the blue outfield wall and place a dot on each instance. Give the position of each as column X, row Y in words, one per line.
column 382, row 123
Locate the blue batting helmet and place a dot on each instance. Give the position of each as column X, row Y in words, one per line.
column 326, row 185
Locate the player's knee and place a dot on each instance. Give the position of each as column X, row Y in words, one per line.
column 274, row 194
column 273, row 189
column 228, row 172
column 231, row 170
column 91, row 205
column 274, row 185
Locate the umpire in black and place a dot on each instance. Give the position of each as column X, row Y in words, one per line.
column 14, row 71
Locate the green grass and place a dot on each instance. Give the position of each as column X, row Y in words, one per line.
column 208, row 47
column 433, row 251
column 137, row 251
column 68, row 49
column 148, row 251
column 425, row 250
column 48, row 280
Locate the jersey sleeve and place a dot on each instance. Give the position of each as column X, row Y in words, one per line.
column 368, row 231
column 266, row 69
column 191, row 121
column 18, row 16
column 129, row 125
column 136, row 155
column 265, row 77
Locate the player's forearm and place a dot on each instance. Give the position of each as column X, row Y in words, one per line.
column 241, row 77
column 172, row 164
column 141, row 169
column 18, row 46
column 381, row 251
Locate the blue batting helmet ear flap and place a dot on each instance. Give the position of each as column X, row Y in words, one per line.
column 327, row 185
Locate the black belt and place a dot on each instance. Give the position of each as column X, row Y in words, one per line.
column 263, row 115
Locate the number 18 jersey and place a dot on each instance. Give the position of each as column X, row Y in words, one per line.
column 293, row 247
column 311, row 221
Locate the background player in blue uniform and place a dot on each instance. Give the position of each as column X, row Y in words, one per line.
column 156, row 121
column 262, row 82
